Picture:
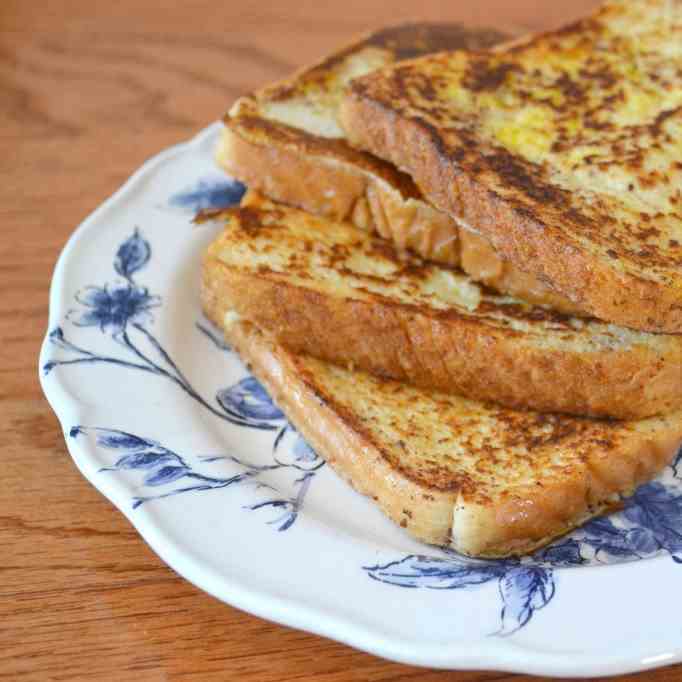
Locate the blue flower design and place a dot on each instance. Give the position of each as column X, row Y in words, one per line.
column 563, row 553
column 141, row 453
column 163, row 468
column 132, row 255
column 523, row 589
column 436, row 573
column 299, row 457
column 114, row 307
column 209, row 193
column 658, row 512
column 249, row 399
column 610, row 541
column 650, row 522
column 124, row 308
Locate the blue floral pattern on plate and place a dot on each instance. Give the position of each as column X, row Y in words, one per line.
column 125, row 306
column 123, row 311
column 650, row 522
column 213, row 192
column 173, row 474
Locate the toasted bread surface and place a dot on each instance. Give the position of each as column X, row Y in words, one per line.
column 485, row 480
column 564, row 151
column 284, row 141
column 370, row 194
column 336, row 292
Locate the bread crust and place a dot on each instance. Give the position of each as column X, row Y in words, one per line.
column 446, row 164
column 478, row 523
column 350, row 186
column 333, row 432
column 589, row 283
column 448, row 350
column 326, row 176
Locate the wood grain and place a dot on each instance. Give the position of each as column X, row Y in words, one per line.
column 88, row 91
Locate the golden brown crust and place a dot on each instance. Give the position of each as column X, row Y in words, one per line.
column 336, row 436
column 480, row 520
column 523, row 357
column 326, row 176
column 330, row 179
column 592, row 285
column 314, row 175
column 384, row 46
column 259, row 132
column 552, row 509
column 613, row 250
column 453, row 355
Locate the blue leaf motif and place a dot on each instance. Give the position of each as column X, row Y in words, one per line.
column 436, row 573
column 146, row 460
column 608, row 539
column 566, row 553
column 120, row 440
column 642, row 541
column 250, row 400
column 524, row 590
column 166, row 474
column 57, row 335
column 657, row 509
column 132, row 255
column 209, row 193
column 123, row 310
column 651, row 521
column 600, row 525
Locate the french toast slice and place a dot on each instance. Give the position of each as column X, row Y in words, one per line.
column 336, row 292
column 485, row 480
column 564, row 150
column 284, row 141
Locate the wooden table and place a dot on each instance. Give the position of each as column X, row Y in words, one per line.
column 88, row 91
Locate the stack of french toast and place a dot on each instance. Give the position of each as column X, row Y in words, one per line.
column 458, row 267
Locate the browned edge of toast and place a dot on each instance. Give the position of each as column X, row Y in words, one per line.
column 326, row 176
column 518, row 523
column 450, row 351
column 591, row 283
column 300, row 170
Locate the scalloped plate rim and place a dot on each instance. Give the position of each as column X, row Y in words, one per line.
column 500, row 654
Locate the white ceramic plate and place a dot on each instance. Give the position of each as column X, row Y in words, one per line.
column 164, row 420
